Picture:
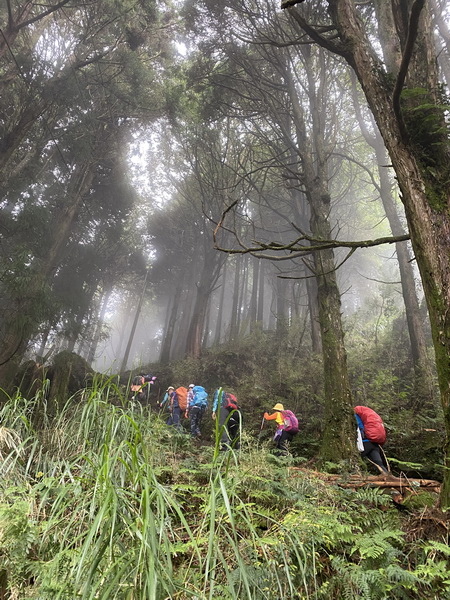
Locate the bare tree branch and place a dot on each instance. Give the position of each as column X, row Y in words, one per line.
column 296, row 248
column 315, row 35
column 43, row 14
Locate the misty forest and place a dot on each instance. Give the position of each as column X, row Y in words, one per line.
column 237, row 194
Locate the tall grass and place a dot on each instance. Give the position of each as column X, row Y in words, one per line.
column 105, row 502
column 110, row 520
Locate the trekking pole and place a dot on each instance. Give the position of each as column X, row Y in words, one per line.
column 261, row 428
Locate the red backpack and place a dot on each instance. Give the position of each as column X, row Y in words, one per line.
column 373, row 424
column 230, row 401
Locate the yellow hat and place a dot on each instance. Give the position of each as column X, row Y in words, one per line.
column 278, row 406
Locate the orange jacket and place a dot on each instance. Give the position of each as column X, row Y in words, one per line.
column 276, row 416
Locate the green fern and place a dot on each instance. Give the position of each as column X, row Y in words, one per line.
column 101, row 505
column 376, row 544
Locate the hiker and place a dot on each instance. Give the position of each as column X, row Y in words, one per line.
column 197, row 403
column 137, row 383
column 230, row 418
column 182, row 395
column 190, row 393
column 139, row 389
column 371, row 436
column 287, row 427
column 171, row 398
column 149, row 380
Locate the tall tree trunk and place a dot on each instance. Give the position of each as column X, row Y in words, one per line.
column 126, row 319
column 243, row 296
column 78, row 330
column 219, row 319
column 282, row 309
column 313, row 307
column 260, row 310
column 207, row 332
column 423, row 379
column 179, row 345
column 273, row 303
column 337, row 441
column 302, row 216
column 194, row 339
column 137, row 314
column 296, row 300
column 172, row 311
column 208, row 279
column 253, row 307
column 41, row 353
column 236, row 295
column 98, row 327
column 71, row 341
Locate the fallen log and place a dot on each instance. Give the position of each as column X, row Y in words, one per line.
column 397, row 483
column 399, row 486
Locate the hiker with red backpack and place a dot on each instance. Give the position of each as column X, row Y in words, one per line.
column 230, row 419
column 371, row 436
column 287, row 427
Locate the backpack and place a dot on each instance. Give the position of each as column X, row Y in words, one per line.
column 230, row 401
column 374, row 429
column 290, row 421
column 200, row 396
column 182, row 393
column 136, row 383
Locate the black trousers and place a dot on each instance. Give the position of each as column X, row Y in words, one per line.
column 174, row 417
column 372, row 452
column 282, row 442
column 196, row 415
column 231, row 432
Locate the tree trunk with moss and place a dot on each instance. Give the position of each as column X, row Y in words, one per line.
column 338, row 434
column 423, row 370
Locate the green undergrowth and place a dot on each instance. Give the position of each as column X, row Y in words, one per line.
column 105, row 502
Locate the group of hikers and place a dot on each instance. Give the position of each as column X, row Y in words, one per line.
column 191, row 403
